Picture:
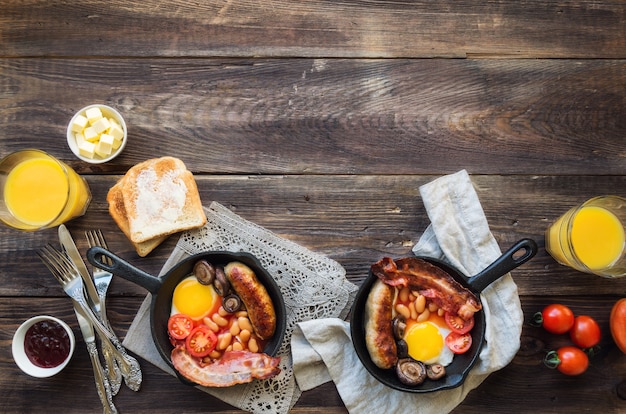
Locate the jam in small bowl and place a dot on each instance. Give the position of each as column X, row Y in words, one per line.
column 42, row 346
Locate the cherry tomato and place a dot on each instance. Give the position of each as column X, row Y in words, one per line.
column 618, row 324
column 555, row 318
column 569, row 360
column 201, row 341
column 459, row 343
column 457, row 324
column 179, row 326
column 585, row 333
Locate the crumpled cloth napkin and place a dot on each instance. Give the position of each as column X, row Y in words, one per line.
column 459, row 234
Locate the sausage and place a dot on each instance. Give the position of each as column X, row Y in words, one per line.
column 379, row 338
column 254, row 296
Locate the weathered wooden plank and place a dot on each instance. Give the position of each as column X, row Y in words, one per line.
column 355, row 220
column 305, row 116
column 535, row 29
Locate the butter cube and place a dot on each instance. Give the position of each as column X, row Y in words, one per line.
column 93, row 114
column 101, row 125
column 105, row 145
column 87, row 149
column 116, row 130
column 91, row 134
column 79, row 123
column 80, row 138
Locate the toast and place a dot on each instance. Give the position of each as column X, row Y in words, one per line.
column 160, row 198
column 118, row 212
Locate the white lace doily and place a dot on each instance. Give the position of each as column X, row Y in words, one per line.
column 313, row 286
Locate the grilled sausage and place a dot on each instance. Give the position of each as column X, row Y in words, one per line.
column 254, row 296
column 379, row 338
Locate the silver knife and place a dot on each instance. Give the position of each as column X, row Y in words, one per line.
column 129, row 366
column 102, row 384
column 72, row 251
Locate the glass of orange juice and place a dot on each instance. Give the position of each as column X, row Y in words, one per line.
column 590, row 237
column 39, row 191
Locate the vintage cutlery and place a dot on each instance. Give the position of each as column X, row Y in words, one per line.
column 102, row 384
column 66, row 273
column 102, row 280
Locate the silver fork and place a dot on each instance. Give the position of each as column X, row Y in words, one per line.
column 102, row 280
column 69, row 277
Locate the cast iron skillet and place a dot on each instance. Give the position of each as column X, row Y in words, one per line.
column 460, row 366
column 162, row 289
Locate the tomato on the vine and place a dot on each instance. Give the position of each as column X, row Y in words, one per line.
column 555, row 318
column 179, row 326
column 201, row 341
column 569, row 360
column 459, row 343
column 458, row 324
column 586, row 332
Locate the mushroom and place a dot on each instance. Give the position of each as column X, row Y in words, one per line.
column 410, row 371
column 402, row 348
column 204, row 272
column 435, row 371
column 220, row 284
column 231, row 303
column 399, row 326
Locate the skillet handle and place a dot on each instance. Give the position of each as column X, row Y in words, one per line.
column 504, row 264
column 122, row 268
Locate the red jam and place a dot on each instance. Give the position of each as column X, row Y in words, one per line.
column 47, row 344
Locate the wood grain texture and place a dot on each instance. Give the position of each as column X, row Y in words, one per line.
column 320, row 28
column 307, row 116
column 319, row 120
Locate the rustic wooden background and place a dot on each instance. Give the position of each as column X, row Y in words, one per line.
column 319, row 120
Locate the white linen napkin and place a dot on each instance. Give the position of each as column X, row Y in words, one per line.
column 459, row 234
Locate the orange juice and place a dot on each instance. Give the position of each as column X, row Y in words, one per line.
column 590, row 237
column 40, row 191
column 597, row 237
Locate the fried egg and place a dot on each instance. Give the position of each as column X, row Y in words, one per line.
column 193, row 298
column 426, row 341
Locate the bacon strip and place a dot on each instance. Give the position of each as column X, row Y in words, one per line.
column 431, row 281
column 234, row 367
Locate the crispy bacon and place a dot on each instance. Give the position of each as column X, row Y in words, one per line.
column 234, row 367
column 430, row 280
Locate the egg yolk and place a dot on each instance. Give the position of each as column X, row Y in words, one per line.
column 424, row 341
column 193, row 298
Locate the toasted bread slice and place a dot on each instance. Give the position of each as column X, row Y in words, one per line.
column 118, row 212
column 161, row 198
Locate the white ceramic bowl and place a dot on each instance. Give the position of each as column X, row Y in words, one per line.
column 107, row 112
column 19, row 354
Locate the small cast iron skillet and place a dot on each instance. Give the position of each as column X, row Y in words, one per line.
column 162, row 289
column 460, row 366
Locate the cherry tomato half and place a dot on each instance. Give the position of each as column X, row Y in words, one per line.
column 556, row 318
column 585, row 333
column 458, row 343
column 569, row 360
column 458, row 324
column 179, row 326
column 201, row 341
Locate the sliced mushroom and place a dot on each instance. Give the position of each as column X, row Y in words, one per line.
column 399, row 326
column 435, row 371
column 410, row 371
column 402, row 348
column 220, row 284
column 204, row 272
column 231, row 303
